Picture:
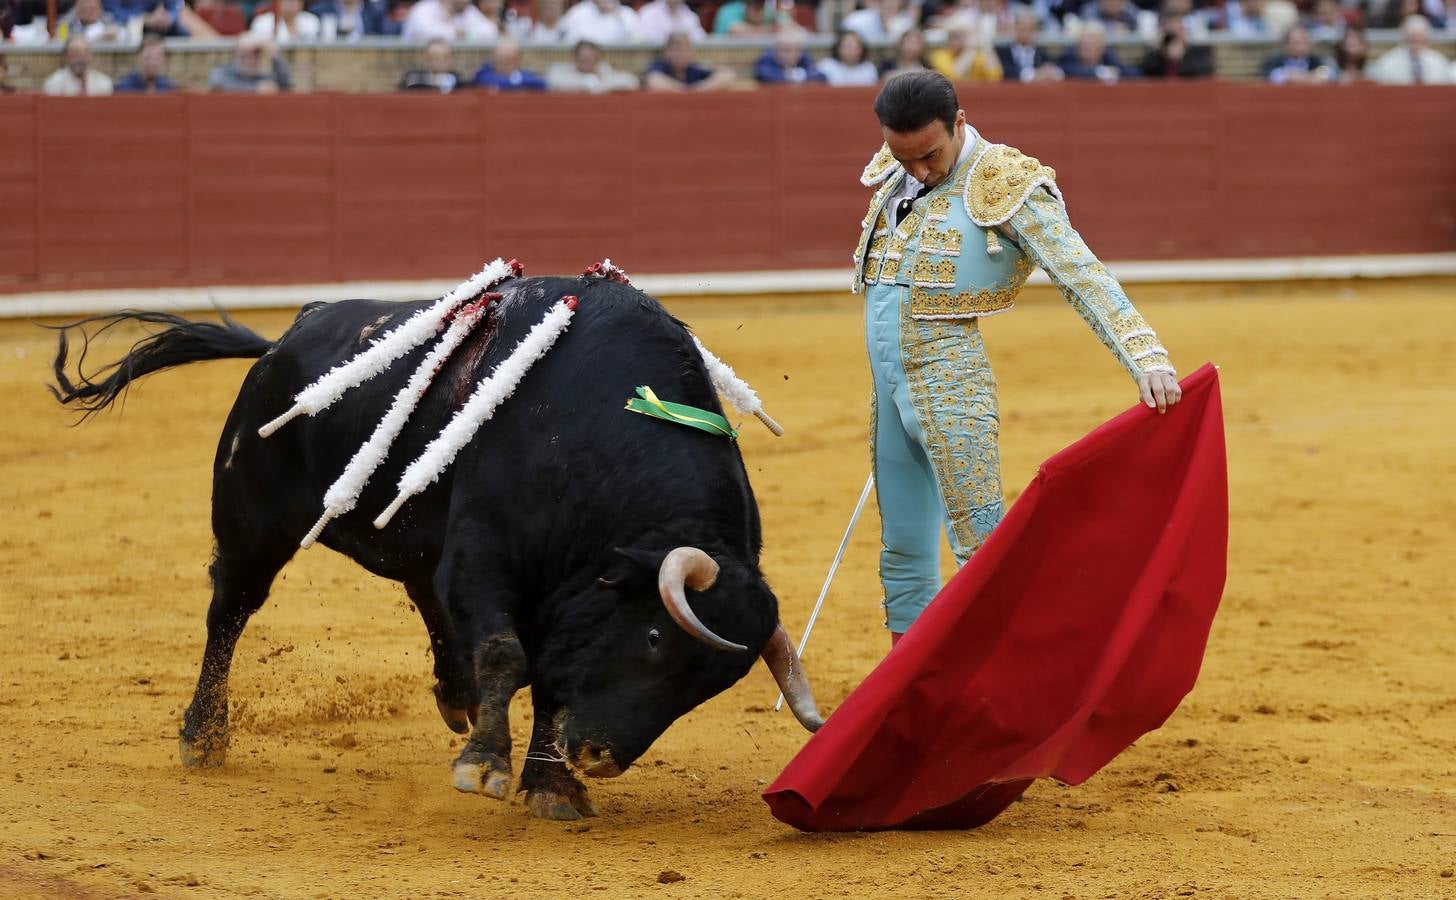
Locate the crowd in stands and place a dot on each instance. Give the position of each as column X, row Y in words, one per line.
column 974, row 40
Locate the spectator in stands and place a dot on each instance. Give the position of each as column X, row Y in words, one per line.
column 1023, row 60
column 506, row 20
column 349, row 20
column 1298, row 64
column 1116, row 16
column 89, row 20
column 287, row 23
column 1395, row 12
column 1351, row 55
column 968, row 55
column 170, row 18
column 150, row 75
column 675, row 70
column 1412, row 61
column 881, row 20
column 256, row 68
column 602, row 22
column 1091, row 59
column 547, row 27
column 1003, row 15
column 439, row 73
column 660, row 19
column 1195, row 23
column 1329, row 21
column 1173, row 56
column 847, row 65
column 504, row 71
column 749, row 18
column 76, row 78
column 1245, row 18
column 588, row 72
column 786, row 62
column 448, row 20
column 909, row 55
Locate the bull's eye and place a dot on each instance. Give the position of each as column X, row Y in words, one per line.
column 653, row 637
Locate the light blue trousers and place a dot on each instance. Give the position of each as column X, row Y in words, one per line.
column 934, row 434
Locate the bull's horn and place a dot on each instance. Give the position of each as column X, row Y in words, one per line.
column 783, row 662
column 689, row 567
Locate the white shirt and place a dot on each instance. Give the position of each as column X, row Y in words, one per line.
column 62, row 83
column 306, row 27
column 586, row 22
column 839, row 75
column 657, row 20
column 429, row 20
column 1398, row 66
column 868, row 24
column 911, row 187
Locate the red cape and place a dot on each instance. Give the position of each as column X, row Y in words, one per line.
column 1076, row 628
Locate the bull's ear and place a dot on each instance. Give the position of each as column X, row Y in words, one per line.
column 633, row 568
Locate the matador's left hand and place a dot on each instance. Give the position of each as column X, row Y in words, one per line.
column 1159, row 390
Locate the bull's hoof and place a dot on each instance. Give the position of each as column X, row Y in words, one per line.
column 208, row 752
column 560, row 807
column 482, row 778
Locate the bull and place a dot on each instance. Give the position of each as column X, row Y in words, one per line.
column 609, row 561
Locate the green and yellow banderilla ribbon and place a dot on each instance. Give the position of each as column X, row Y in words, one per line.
column 648, row 404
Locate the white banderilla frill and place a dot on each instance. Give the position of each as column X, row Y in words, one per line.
column 487, row 398
column 344, row 493
column 743, row 397
column 417, row 329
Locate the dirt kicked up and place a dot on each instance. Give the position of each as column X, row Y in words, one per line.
column 1316, row 758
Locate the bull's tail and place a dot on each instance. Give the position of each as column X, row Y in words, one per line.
column 179, row 342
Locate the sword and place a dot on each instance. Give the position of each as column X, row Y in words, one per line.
column 864, row 496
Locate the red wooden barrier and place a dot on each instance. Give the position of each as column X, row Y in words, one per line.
column 205, row 189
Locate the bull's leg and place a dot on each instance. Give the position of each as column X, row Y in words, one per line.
column 552, row 792
column 240, row 584
column 455, row 694
column 501, row 669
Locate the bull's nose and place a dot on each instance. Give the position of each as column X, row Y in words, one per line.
column 597, row 762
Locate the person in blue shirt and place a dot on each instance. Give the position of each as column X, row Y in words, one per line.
column 675, row 70
column 504, row 72
column 350, row 20
column 150, row 76
column 786, row 62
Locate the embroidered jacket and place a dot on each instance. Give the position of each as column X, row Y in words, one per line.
column 950, row 255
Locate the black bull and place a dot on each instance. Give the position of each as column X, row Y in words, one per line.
column 556, row 552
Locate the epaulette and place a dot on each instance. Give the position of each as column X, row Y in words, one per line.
column 999, row 182
column 882, row 166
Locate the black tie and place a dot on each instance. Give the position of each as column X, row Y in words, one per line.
column 903, row 208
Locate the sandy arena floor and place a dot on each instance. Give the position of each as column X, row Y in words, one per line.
column 1317, row 757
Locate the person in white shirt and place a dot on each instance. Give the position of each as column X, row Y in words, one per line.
column 1412, row 61
column 601, row 22
column 76, row 78
column 547, row 27
column 660, row 19
column 89, row 20
column 880, row 20
column 588, row 73
column 448, row 20
column 848, row 65
column 287, row 24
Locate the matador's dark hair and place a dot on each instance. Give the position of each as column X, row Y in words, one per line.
column 911, row 100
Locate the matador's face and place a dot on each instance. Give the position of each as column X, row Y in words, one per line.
column 929, row 154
